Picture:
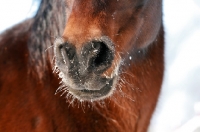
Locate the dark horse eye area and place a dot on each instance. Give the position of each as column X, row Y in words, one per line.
column 81, row 70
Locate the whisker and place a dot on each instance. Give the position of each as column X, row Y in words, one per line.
column 63, row 92
column 82, row 106
column 124, row 82
column 49, row 47
column 126, row 95
column 128, row 74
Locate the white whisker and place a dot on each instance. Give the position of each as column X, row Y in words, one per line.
column 49, row 47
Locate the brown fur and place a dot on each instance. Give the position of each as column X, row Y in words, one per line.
column 27, row 84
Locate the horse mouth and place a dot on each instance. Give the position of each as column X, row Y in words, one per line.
column 93, row 95
column 89, row 72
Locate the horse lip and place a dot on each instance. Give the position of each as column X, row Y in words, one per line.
column 99, row 91
column 93, row 94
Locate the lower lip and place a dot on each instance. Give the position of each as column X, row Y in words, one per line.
column 94, row 94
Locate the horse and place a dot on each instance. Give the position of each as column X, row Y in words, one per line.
column 83, row 65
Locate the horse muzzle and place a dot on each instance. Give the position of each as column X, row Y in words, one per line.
column 82, row 68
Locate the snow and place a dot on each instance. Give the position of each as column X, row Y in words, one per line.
column 181, row 88
column 15, row 11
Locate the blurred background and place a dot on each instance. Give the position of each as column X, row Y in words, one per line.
column 178, row 109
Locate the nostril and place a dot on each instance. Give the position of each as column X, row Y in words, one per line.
column 70, row 52
column 66, row 56
column 102, row 56
column 60, row 46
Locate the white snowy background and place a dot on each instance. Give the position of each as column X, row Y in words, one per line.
column 179, row 104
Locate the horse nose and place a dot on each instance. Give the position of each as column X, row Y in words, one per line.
column 94, row 57
column 97, row 56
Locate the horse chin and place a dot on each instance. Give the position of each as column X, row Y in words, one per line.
column 94, row 95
